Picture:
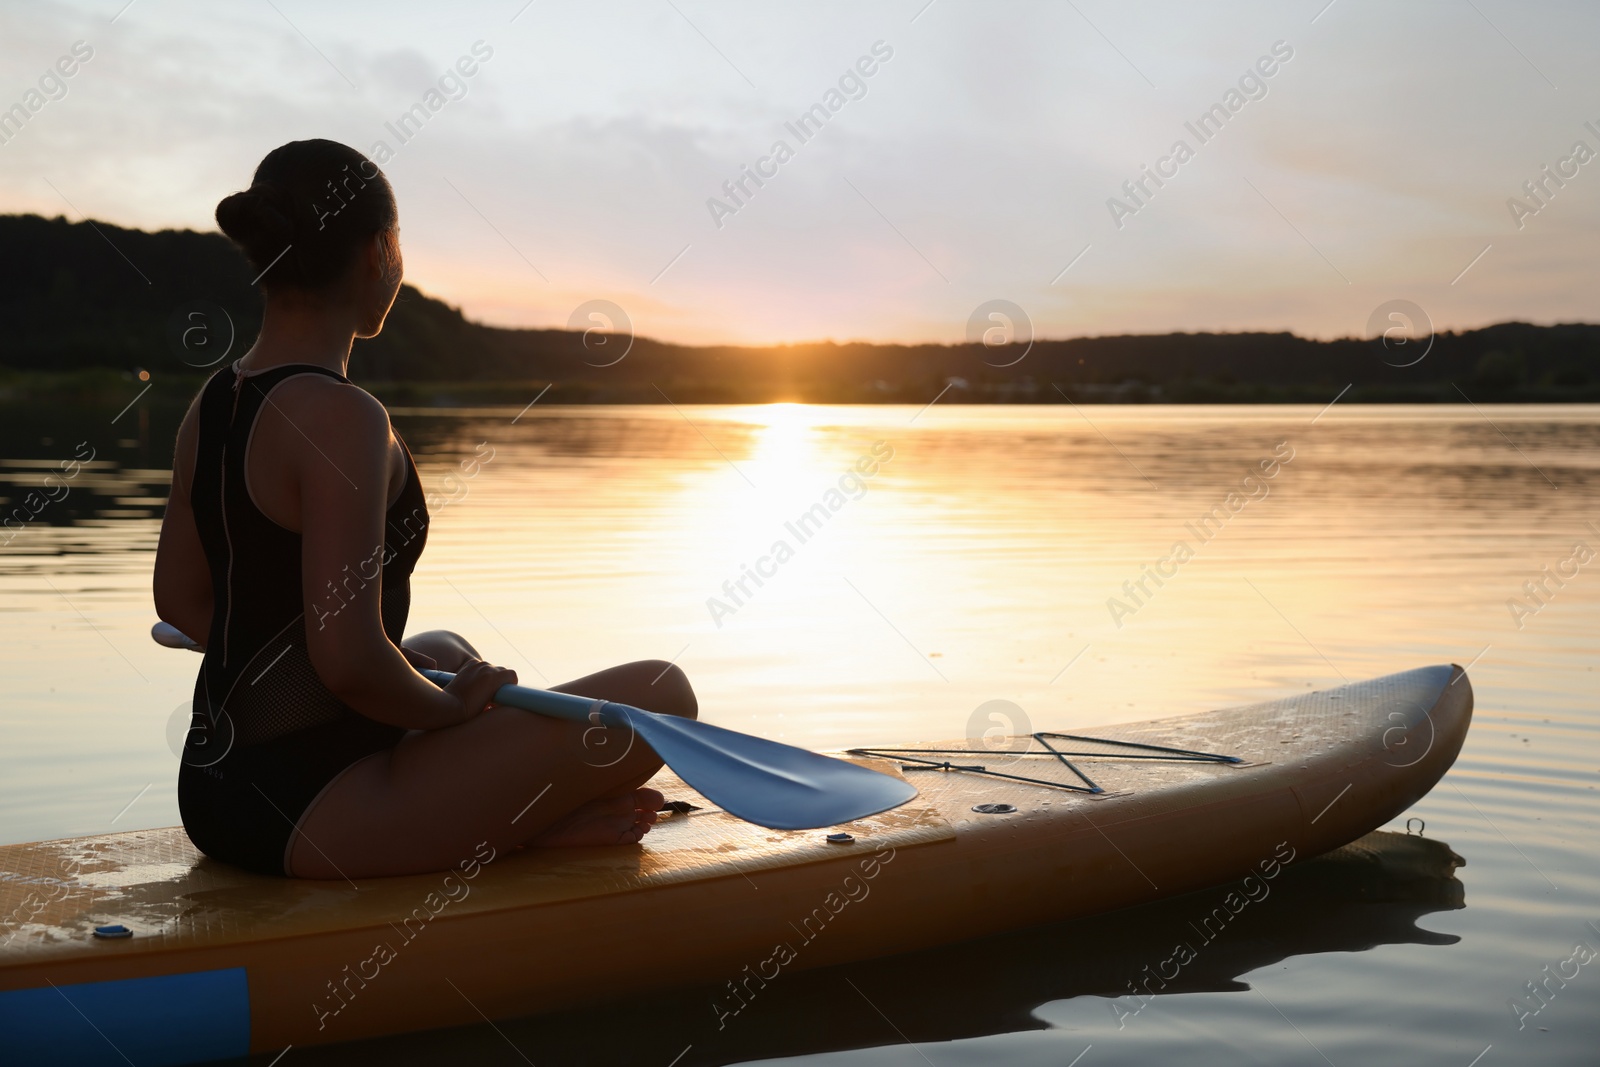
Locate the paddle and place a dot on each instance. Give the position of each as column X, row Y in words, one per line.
column 761, row 781
column 164, row 633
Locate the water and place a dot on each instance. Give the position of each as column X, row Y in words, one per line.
column 975, row 563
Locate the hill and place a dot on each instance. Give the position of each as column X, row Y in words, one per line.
column 78, row 296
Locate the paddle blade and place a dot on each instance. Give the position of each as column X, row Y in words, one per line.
column 166, row 634
column 764, row 782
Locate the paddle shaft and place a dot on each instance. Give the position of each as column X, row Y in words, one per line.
column 765, row 782
column 567, row 706
column 544, row 702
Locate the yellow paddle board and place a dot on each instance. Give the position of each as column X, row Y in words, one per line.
column 133, row 947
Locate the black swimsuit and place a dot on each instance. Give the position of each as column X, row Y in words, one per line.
column 267, row 736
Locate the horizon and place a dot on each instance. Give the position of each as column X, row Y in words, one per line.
column 934, row 158
column 859, row 341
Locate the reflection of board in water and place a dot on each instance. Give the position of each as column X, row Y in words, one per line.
column 1368, row 893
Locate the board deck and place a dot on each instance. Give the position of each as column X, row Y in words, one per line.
column 221, row 961
column 172, row 897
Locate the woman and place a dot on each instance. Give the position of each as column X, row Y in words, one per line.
column 317, row 750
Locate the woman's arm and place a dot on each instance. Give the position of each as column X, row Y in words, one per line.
column 341, row 458
column 182, row 582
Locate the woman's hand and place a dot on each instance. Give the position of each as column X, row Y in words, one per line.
column 475, row 685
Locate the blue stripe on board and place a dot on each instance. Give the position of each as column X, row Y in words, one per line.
column 150, row 1022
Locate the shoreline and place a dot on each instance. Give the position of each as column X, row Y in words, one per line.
column 103, row 387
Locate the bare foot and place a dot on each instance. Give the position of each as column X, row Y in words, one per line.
column 608, row 821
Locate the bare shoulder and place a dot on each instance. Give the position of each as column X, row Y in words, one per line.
column 326, row 408
column 318, row 425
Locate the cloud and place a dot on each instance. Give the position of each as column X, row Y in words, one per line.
column 403, row 71
column 987, row 147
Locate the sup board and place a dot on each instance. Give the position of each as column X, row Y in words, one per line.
column 132, row 947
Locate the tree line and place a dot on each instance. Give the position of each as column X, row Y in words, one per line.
column 78, row 296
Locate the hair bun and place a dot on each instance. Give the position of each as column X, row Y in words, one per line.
column 255, row 219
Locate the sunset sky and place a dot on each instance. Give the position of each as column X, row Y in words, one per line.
column 974, row 163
